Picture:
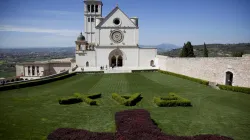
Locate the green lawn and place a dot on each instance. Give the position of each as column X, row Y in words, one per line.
column 32, row 113
column 7, row 74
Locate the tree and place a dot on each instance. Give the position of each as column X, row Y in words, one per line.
column 205, row 51
column 237, row 54
column 184, row 51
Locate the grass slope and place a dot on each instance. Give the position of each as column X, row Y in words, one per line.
column 34, row 112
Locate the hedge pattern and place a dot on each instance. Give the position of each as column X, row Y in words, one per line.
column 131, row 125
column 126, row 99
column 34, row 83
column 77, row 98
column 204, row 82
column 171, row 100
column 235, row 88
column 69, row 100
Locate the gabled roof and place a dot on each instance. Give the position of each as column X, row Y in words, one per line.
column 110, row 14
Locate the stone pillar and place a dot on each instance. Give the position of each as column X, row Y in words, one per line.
column 116, row 62
column 35, row 70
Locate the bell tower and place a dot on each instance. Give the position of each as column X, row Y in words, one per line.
column 92, row 10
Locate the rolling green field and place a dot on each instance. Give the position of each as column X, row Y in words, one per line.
column 34, row 112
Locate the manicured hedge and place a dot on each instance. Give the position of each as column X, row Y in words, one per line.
column 171, row 100
column 152, row 70
column 89, row 99
column 204, row 82
column 130, row 125
column 127, row 100
column 69, row 100
column 235, row 88
column 34, row 83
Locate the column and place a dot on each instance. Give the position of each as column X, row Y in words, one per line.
column 116, row 62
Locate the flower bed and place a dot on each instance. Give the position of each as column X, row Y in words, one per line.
column 171, row 100
column 131, row 125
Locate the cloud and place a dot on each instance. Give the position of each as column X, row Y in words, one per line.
column 62, row 32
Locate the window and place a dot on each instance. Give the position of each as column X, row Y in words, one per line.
column 117, row 21
column 92, row 8
column 87, row 64
column 88, row 8
column 92, row 20
column 37, row 70
column 28, row 70
column 88, row 19
column 96, row 8
column 33, row 70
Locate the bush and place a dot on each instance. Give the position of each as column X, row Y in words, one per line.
column 172, row 100
column 88, row 98
column 35, row 82
column 235, row 88
column 204, row 82
column 70, row 100
column 127, row 100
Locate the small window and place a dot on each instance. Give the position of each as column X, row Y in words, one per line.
column 37, row 69
column 88, row 8
column 87, row 64
column 28, row 70
column 92, row 8
column 92, row 20
column 96, row 8
column 33, row 70
column 88, row 19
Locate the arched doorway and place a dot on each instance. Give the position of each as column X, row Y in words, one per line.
column 113, row 61
column 116, row 58
column 229, row 78
column 87, row 64
column 152, row 63
column 119, row 61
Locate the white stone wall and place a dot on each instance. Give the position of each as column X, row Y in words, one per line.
column 212, row 68
column 146, row 55
column 19, row 70
column 89, row 56
column 56, row 68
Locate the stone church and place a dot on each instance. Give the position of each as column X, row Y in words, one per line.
column 111, row 41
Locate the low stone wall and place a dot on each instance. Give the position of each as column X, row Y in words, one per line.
column 209, row 68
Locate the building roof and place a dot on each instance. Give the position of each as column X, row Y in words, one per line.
column 110, row 14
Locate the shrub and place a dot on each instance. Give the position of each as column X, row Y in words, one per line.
column 89, row 101
column 95, row 96
column 35, row 82
column 88, row 98
column 171, row 100
column 235, row 88
column 127, row 100
column 69, row 100
column 204, row 82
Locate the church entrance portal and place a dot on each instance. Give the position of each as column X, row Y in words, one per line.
column 229, row 78
column 116, row 58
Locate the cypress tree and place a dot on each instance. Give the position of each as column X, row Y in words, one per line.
column 184, row 51
column 205, row 51
column 190, row 51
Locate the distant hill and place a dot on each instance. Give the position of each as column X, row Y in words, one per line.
column 162, row 47
column 214, row 50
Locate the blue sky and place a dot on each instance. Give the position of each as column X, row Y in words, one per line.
column 43, row 23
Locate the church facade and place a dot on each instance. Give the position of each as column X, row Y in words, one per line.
column 111, row 41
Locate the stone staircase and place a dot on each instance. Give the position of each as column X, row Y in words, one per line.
column 213, row 85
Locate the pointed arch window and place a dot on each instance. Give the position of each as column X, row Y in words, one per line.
column 87, row 64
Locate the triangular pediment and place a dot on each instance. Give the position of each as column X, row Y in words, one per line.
column 108, row 21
